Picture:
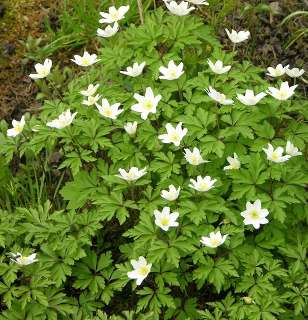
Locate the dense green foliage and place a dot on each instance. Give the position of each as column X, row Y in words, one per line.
column 61, row 198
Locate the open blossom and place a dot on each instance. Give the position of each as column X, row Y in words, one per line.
column 218, row 67
column 42, row 70
column 131, row 128
column 18, row 126
column 135, row 70
column 91, row 100
column 198, row 2
column 237, row 37
column 218, row 97
column 291, row 150
column 166, row 219
column 254, row 214
column 250, row 99
column 202, row 184
column 172, row 72
column 214, row 239
column 85, row 60
column 133, row 174
column 91, row 90
column 194, row 157
column 64, row 120
column 113, row 14
column 109, row 111
column 181, row 9
column 24, row 260
column 171, row 194
column 278, row 71
column 234, row 163
column 141, row 270
column 275, row 155
column 173, row 135
column 283, row 93
column 109, row 31
column 295, row 72
column 146, row 104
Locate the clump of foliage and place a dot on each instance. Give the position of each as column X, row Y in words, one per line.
column 61, row 196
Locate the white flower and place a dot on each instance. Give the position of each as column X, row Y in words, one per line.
column 280, row 70
column 64, row 120
column 109, row 111
column 146, row 104
column 291, row 150
column 133, row 174
column 218, row 97
column 42, row 70
column 90, row 91
column 218, row 67
column 166, row 219
column 198, row 2
column 86, row 60
column 180, row 9
column 250, row 99
column 202, row 184
column 214, row 239
column 172, row 72
column 237, row 37
column 109, row 31
column 283, row 93
column 18, row 126
column 194, row 157
column 24, row 260
column 91, row 100
column 173, row 135
column 275, row 155
column 141, row 270
column 254, row 214
column 171, row 194
column 113, row 14
column 295, row 72
column 135, row 70
column 234, row 163
column 131, row 128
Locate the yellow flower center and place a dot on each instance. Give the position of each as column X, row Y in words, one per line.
column 173, row 74
column 165, row 221
column 115, row 16
column 283, row 94
column 108, row 112
column 214, row 242
column 194, row 159
column 204, row 186
column 85, row 61
column 148, row 104
column 275, row 156
column 254, row 214
column 143, row 271
column 174, row 137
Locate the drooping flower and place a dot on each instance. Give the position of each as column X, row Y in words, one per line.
column 202, row 184
column 109, row 31
column 234, row 163
column 18, row 127
column 146, row 104
column 113, row 14
column 214, row 240
column 250, row 99
column 218, row 97
column 109, row 111
column 291, row 150
column 275, row 155
column 237, row 37
column 23, row 260
column 64, row 120
column 194, row 157
column 283, row 93
column 254, row 214
column 91, row 100
column 181, row 9
column 135, row 70
column 166, row 219
column 278, row 71
column 171, row 194
column 173, row 135
column 91, row 90
column 198, row 2
column 141, row 270
column 295, row 72
column 131, row 128
column 42, row 70
column 172, row 72
column 218, row 67
column 133, row 174
column 85, row 60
